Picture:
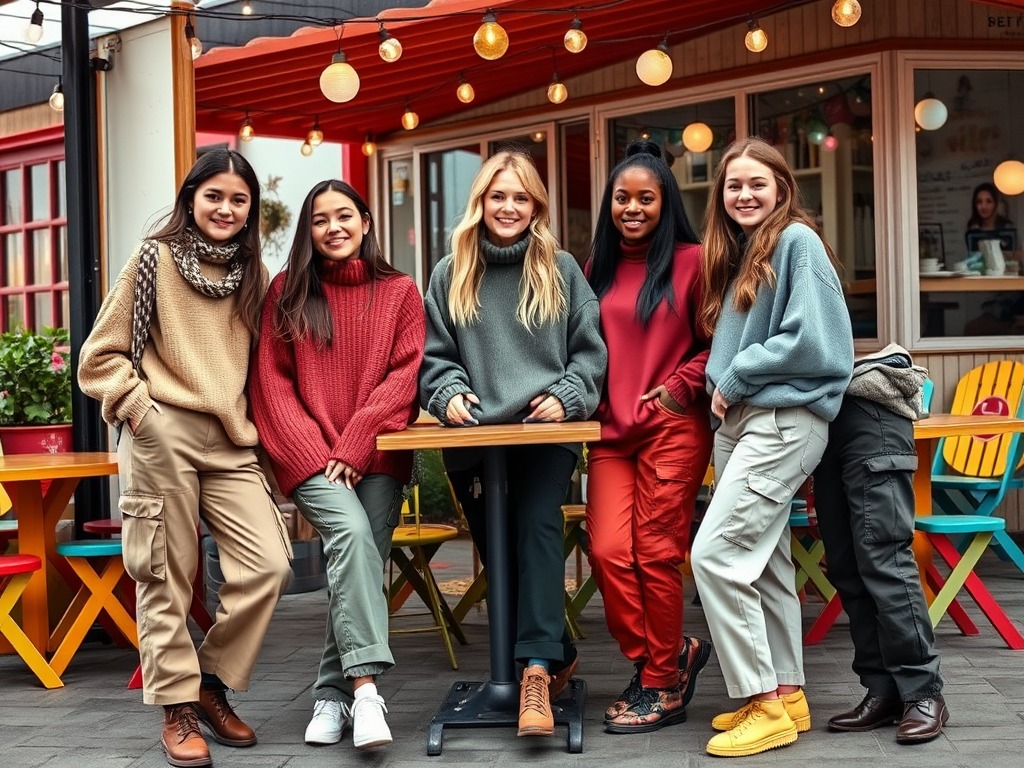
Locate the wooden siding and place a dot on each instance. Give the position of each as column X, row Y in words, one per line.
column 30, row 118
column 802, row 31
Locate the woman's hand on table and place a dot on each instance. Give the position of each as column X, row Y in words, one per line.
column 546, row 407
column 338, row 472
column 457, row 412
column 660, row 393
column 719, row 404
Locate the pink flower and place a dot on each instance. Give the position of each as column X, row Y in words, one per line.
column 3, row 394
column 57, row 362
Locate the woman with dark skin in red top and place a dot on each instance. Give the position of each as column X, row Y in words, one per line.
column 656, row 435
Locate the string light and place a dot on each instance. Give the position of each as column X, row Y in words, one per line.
column 830, row 143
column 247, row 132
column 369, row 146
column 698, row 137
column 654, row 67
column 846, row 13
column 247, row 8
column 410, row 119
column 57, row 97
column 491, row 39
column 194, row 42
column 538, row 136
column 339, row 82
column 465, row 92
column 34, row 31
column 306, row 149
column 557, row 92
column 575, row 39
column 389, row 49
column 756, row 40
column 315, row 137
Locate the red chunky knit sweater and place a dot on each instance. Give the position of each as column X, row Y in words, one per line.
column 311, row 405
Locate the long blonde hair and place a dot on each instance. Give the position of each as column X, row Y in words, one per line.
column 752, row 265
column 541, row 288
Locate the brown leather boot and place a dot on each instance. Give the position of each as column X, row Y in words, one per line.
column 535, row 717
column 182, row 740
column 225, row 726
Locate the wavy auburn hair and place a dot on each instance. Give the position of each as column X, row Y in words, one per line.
column 302, row 310
column 541, row 288
column 748, row 266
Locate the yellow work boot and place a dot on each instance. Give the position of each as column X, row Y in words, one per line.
column 535, row 718
column 796, row 708
column 765, row 727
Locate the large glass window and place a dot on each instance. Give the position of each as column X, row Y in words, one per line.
column 402, row 220
column 824, row 130
column 448, row 175
column 969, row 245
column 577, row 222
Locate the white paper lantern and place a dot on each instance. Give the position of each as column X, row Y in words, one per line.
column 930, row 113
column 697, row 137
column 1009, row 177
column 654, row 67
column 339, row 82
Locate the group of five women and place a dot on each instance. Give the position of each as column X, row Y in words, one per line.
column 655, row 338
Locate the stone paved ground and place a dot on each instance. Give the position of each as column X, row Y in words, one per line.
column 94, row 722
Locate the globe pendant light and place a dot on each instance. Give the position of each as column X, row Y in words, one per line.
column 491, row 39
column 339, row 82
column 575, row 39
column 756, row 39
column 369, row 147
column 465, row 92
column 846, row 13
column 410, row 119
column 1009, row 177
column 654, row 67
column 390, row 49
column 698, row 137
column 930, row 113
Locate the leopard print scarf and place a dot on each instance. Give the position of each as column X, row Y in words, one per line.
column 187, row 251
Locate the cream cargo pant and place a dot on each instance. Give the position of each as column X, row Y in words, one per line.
column 741, row 553
column 179, row 466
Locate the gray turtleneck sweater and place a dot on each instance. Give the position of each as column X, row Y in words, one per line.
column 502, row 362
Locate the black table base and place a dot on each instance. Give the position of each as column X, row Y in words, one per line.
column 488, row 705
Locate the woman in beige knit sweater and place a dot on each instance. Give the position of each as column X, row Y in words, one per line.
column 168, row 357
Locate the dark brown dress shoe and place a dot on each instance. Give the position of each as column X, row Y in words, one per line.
column 225, row 726
column 871, row 713
column 922, row 721
column 182, row 740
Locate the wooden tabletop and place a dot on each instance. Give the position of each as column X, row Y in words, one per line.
column 437, row 436
column 51, row 466
column 952, row 425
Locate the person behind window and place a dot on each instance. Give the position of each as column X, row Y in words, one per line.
column 655, row 435
column 781, row 358
column 985, row 205
column 338, row 360
column 168, row 357
column 513, row 336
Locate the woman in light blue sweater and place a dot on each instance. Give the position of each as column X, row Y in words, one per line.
column 781, row 358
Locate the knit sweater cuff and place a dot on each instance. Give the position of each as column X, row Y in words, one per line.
column 438, row 405
column 136, row 405
column 575, row 406
column 732, row 387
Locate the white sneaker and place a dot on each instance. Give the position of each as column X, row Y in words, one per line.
column 330, row 719
column 369, row 728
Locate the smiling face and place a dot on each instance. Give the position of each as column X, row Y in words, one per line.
column 751, row 193
column 337, row 228
column 636, row 204
column 220, row 207
column 985, row 206
column 508, row 209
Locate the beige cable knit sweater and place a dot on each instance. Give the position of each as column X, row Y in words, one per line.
column 197, row 356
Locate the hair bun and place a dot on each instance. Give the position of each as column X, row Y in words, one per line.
column 643, row 147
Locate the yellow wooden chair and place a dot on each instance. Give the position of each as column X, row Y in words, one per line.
column 413, row 544
column 971, row 475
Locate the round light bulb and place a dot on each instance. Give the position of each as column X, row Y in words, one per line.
column 369, row 147
column 538, row 136
column 846, row 13
column 339, row 82
column 491, row 39
column 247, row 132
column 697, row 137
column 575, row 39
column 756, row 40
column 654, row 67
column 410, row 119
column 930, row 113
column 247, row 8
column 465, row 92
column 830, row 143
column 1009, row 177
column 34, row 30
column 306, row 149
column 389, row 49
column 557, row 92
column 197, row 47
column 315, row 137
column 57, row 98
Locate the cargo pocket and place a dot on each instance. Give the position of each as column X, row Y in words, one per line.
column 282, row 527
column 757, row 507
column 888, row 497
column 142, row 537
column 671, row 479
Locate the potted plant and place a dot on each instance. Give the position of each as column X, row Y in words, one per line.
column 35, row 391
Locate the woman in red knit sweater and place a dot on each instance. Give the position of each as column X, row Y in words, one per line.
column 338, row 361
column 655, row 435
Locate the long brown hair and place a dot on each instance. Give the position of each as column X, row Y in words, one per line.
column 302, row 309
column 249, row 306
column 752, row 263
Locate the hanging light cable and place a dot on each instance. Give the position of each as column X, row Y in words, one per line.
column 193, row 40
column 575, row 39
column 846, row 13
column 557, row 92
column 756, row 40
column 490, row 40
column 930, row 113
column 654, row 67
column 34, row 31
column 389, row 49
column 465, row 92
column 339, row 82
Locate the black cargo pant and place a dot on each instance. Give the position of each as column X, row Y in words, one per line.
column 864, row 497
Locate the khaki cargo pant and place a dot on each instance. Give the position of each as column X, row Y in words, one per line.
column 179, row 466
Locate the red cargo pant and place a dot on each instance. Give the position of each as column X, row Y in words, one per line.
column 640, row 502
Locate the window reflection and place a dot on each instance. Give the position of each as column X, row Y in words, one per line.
column 449, row 176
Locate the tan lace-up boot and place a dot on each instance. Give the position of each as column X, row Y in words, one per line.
column 535, row 718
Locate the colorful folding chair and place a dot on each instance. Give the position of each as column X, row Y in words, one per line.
column 983, row 469
column 575, row 540
column 15, row 572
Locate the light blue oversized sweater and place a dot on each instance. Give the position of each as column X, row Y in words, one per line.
column 795, row 344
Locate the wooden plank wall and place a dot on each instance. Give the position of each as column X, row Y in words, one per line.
column 30, row 118
column 946, row 370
